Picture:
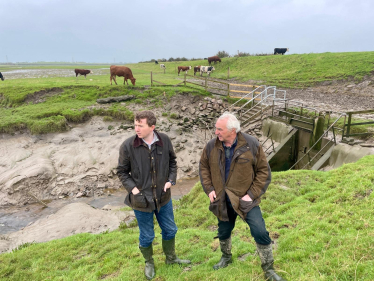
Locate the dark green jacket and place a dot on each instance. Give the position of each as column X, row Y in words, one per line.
column 249, row 174
column 148, row 170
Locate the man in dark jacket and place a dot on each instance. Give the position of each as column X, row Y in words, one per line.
column 147, row 168
column 234, row 174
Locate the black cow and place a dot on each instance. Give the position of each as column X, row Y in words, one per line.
column 1, row 77
column 156, row 62
column 280, row 51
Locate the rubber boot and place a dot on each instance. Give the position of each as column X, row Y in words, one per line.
column 149, row 270
column 226, row 258
column 266, row 256
column 168, row 246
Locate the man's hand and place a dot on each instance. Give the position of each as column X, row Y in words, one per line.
column 212, row 196
column 247, row 198
column 167, row 185
column 135, row 190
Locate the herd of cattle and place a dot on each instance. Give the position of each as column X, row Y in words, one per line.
column 125, row 72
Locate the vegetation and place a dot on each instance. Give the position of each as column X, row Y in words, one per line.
column 289, row 71
column 321, row 223
column 44, row 105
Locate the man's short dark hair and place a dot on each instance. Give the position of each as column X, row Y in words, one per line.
column 148, row 115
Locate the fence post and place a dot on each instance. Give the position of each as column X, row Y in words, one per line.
column 185, row 79
column 206, row 83
column 228, row 73
column 151, row 80
column 349, row 124
column 228, row 89
column 164, row 70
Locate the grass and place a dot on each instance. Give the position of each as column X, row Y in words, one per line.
column 67, row 99
column 321, row 222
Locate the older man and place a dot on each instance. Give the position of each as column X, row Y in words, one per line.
column 147, row 168
column 234, row 174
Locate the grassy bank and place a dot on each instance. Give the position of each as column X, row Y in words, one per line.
column 291, row 71
column 43, row 105
column 321, row 222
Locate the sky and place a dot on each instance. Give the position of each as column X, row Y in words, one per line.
column 115, row 31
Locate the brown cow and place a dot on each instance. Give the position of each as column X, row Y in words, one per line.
column 82, row 72
column 183, row 68
column 121, row 71
column 214, row 58
column 196, row 69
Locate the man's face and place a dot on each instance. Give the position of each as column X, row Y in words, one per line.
column 222, row 132
column 142, row 129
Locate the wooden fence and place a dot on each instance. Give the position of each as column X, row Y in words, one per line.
column 212, row 85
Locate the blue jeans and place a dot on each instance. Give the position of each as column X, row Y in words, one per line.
column 254, row 220
column 165, row 218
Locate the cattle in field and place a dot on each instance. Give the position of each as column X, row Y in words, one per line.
column 156, row 62
column 82, row 72
column 1, row 77
column 162, row 66
column 123, row 71
column 280, row 51
column 196, row 69
column 183, row 68
column 214, row 59
column 206, row 69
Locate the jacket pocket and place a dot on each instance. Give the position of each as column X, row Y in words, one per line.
column 245, row 206
column 138, row 200
column 165, row 196
column 214, row 207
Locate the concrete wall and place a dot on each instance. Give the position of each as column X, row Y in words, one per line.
column 344, row 153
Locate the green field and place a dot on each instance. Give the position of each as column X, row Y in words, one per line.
column 75, row 97
column 321, row 222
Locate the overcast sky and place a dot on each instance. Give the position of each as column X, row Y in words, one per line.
column 136, row 30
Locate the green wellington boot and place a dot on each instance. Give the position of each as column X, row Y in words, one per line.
column 149, row 269
column 169, row 249
column 266, row 256
column 226, row 258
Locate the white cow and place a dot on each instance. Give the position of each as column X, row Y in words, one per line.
column 162, row 66
column 206, row 69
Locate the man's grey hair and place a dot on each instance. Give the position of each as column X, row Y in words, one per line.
column 232, row 121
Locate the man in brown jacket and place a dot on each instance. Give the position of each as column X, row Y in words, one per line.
column 234, row 174
column 147, row 168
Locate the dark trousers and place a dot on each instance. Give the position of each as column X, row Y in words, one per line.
column 254, row 220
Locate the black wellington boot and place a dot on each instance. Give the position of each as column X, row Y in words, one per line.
column 226, row 258
column 169, row 249
column 149, row 270
column 266, row 256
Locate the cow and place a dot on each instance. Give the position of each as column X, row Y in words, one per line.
column 121, row 71
column 196, row 69
column 214, row 59
column 280, row 51
column 206, row 69
column 162, row 66
column 1, row 77
column 183, row 68
column 156, row 62
column 82, row 72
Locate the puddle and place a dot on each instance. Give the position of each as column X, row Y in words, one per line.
column 15, row 218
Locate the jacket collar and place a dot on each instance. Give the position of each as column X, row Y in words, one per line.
column 138, row 141
column 240, row 141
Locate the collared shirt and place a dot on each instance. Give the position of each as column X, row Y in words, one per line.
column 155, row 139
column 229, row 152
